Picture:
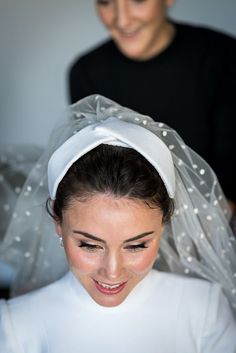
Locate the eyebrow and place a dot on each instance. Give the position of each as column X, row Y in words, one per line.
column 93, row 237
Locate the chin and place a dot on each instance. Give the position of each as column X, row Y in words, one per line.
column 109, row 302
column 131, row 52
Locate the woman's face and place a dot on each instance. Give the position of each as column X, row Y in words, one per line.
column 138, row 27
column 111, row 244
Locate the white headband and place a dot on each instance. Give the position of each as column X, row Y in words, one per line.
column 112, row 131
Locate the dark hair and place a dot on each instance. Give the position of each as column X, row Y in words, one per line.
column 119, row 171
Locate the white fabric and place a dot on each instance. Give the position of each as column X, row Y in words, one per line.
column 197, row 242
column 112, row 132
column 165, row 313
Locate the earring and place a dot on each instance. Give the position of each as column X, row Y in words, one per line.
column 61, row 242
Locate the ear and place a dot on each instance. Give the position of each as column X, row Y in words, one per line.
column 58, row 227
column 162, row 228
column 56, row 222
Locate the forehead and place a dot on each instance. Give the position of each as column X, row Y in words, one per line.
column 105, row 214
column 102, row 210
column 101, row 201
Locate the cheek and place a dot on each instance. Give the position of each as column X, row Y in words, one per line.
column 154, row 13
column 105, row 16
column 80, row 260
column 143, row 262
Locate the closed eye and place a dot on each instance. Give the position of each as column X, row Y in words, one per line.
column 89, row 247
column 137, row 247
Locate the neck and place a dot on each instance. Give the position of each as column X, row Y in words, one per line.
column 162, row 41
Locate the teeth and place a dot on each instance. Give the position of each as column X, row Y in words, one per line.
column 129, row 33
column 108, row 286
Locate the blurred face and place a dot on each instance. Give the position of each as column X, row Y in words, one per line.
column 138, row 27
column 111, row 244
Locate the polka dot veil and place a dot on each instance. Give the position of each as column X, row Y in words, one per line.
column 197, row 241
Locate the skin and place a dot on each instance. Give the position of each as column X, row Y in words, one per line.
column 113, row 258
column 139, row 28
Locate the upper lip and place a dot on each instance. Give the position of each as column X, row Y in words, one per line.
column 109, row 284
column 126, row 32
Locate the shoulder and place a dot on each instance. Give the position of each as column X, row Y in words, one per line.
column 211, row 39
column 35, row 303
column 202, row 31
column 198, row 308
column 22, row 319
column 170, row 279
column 181, row 283
column 197, row 296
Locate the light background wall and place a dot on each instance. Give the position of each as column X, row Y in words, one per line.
column 39, row 38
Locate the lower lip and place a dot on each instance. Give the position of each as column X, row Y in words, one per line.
column 110, row 291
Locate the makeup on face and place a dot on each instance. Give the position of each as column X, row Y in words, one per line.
column 111, row 244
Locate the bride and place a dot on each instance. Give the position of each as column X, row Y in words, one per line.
column 142, row 258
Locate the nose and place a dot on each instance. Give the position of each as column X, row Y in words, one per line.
column 122, row 14
column 112, row 267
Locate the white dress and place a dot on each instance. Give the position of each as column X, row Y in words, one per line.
column 164, row 313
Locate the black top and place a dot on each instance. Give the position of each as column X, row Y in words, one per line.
column 190, row 86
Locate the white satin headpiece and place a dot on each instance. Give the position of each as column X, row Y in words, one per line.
column 197, row 241
column 112, row 132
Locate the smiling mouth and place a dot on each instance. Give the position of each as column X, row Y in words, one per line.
column 129, row 34
column 109, row 288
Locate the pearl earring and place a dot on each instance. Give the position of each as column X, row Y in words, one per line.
column 61, row 242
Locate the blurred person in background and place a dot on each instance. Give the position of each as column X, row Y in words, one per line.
column 177, row 73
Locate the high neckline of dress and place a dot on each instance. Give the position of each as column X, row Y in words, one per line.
column 138, row 296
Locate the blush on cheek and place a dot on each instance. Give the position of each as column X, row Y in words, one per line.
column 81, row 267
column 142, row 271
column 142, row 268
column 143, row 264
column 82, row 262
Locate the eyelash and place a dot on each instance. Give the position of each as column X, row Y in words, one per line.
column 137, row 247
column 93, row 247
column 89, row 247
